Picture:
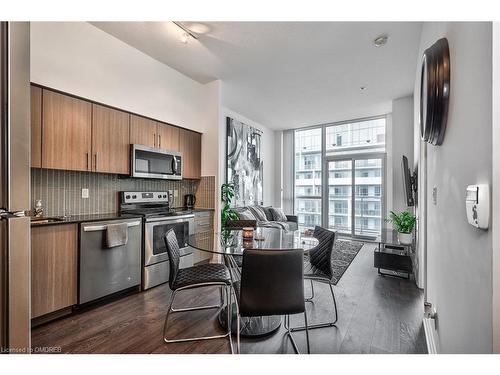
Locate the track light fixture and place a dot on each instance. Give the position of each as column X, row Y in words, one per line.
column 186, row 33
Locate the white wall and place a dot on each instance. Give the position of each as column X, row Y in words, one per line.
column 278, row 169
column 80, row 59
column 401, row 144
column 459, row 257
column 495, row 227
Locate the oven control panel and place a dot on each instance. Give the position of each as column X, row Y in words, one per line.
column 145, row 196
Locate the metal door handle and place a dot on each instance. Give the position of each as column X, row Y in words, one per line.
column 159, row 140
column 87, row 155
column 96, row 161
column 96, row 228
column 174, row 165
column 154, row 139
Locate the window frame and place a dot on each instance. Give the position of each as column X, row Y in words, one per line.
column 359, row 152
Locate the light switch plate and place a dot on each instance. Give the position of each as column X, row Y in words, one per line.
column 85, row 193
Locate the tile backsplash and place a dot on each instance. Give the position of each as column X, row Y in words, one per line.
column 61, row 191
column 205, row 192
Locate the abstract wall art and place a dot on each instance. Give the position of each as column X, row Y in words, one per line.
column 243, row 162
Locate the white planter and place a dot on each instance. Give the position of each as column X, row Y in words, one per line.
column 405, row 238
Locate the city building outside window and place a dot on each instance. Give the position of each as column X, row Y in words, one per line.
column 347, row 174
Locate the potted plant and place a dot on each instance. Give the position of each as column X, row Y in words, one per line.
column 226, row 196
column 403, row 222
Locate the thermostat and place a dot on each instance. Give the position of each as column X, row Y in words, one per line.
column 477, row 204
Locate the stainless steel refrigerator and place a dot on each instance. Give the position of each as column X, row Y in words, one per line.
column 14, row 187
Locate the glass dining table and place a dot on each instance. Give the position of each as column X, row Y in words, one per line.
column 231, row 245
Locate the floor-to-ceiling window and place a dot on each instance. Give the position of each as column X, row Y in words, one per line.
column 339, row 180
column 308, row 167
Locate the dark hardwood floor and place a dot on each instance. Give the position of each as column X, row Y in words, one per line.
column 376, row 315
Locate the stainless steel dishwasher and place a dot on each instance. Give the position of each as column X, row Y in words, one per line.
column 103, row 270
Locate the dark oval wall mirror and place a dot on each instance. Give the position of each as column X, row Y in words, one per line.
column 434, row 92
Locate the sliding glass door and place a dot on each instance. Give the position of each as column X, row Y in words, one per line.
column 355, row 194
column 340, row 195
column 308, row 186
column 368, row 188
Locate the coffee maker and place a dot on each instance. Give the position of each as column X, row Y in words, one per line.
column 189, row 201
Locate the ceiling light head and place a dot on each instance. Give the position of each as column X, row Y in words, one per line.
column 380, row 40
column 362, row 88
column 185, row 32
column 184, row 38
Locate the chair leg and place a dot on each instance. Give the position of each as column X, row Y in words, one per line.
column 172, row 297
column 229, row 316
column 334, row 303
column 238, row 332
column 322, row 325
column 221, row 291
column 312, row 290
column 290, row 335
column 307, row 333
column 170, row 309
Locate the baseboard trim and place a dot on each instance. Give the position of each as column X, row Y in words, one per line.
column 430, row 337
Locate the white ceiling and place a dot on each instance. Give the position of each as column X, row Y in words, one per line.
column 288, row 74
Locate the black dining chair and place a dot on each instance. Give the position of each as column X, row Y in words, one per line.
column 272, row 283
column 204, row 275
column 318, row 267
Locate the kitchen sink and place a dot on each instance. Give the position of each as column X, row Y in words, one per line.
column 44, row 220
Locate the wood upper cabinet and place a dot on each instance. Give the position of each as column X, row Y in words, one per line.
column 66, row 135
column 190, row 146
column 168, row 137
column 143, row 131
column 54, row 255
column 36, row 127
column 110, row 140
column 74, row 134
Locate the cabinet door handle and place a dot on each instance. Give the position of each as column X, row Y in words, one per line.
column 154, row 139
column 87, row 157
column 159, row 140
column 96, row 161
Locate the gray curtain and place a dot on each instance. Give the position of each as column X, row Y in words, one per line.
column 288, row 171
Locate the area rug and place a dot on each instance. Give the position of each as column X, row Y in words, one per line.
column 343, row 254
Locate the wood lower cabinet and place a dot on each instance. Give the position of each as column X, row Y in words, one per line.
column 190, row 146
column 66, row 135
column 36, row 127
column 168, row 137
column 110, row 140
column 203, row 222
column 54, row 255
column 143, row 131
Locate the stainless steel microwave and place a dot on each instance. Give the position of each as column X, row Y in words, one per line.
column 149, row 162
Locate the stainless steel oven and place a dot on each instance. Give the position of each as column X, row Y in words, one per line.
column 149, row 162
column 156, row 266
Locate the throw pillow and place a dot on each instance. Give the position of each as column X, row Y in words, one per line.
column 258, row 213
column 267, row 211
column 246, row 215
column 278, row 214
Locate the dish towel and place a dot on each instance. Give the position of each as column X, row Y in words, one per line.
column 116, row 235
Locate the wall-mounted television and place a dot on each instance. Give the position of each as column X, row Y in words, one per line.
column 409, row 182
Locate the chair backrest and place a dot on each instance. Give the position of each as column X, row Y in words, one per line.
column 321, row 255
column 173, row 255
column 272, row 282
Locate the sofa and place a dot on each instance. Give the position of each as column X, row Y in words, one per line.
column 286, row 222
